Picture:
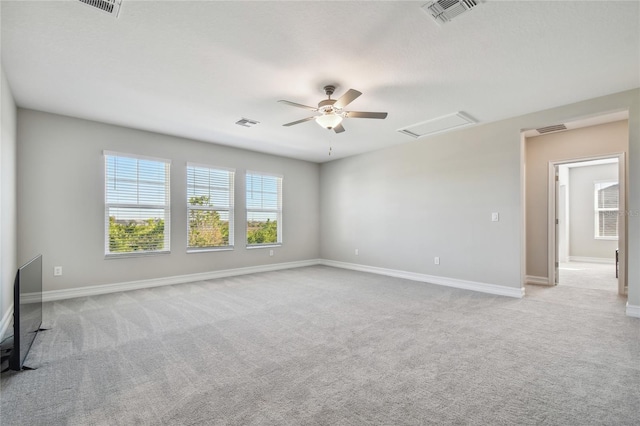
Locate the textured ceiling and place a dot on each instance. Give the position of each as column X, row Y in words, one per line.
column 192, row 69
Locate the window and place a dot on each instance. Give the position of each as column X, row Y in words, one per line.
column 137, row 205
column 606, row 210
column 264, row 209
column 209, row 208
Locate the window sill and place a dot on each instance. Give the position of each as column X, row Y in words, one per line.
column 209, row 249
column 135, row 254
column 259, row 246
column 606, row 238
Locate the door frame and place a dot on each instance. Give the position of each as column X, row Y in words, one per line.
column 622, row 217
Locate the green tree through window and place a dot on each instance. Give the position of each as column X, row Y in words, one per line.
column 264, row 208
column 135, row 236
column 206, row 229
column 137, row 204
column 209, row 207
column 262, row 232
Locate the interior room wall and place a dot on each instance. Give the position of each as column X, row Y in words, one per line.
column 404, row 205
column 61, row 202
column 582, row 242
column 8, row 209
column 400, row 206
column 585, row 142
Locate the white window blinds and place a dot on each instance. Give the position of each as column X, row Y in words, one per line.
column 606, row 209
column 209, row 207
column 264, row 208
column 137, row 204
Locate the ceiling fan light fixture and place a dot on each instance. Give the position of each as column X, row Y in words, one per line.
column 329, row 120
column 332, row 111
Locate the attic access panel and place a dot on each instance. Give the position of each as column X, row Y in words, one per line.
column 438, row 125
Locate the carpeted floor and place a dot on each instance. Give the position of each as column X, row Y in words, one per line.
column 324, row 346
column 596, row 276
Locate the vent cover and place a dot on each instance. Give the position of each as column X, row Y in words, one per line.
column 443, row 11
column 438, row 125
column 245, row 122
column 550, row 129
column 112, row 7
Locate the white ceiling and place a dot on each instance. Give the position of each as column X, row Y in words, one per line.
column 192, row 69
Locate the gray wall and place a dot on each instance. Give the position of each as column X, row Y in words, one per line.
column 578, row 143
column 582, row 241
column 8, row 210
column 404, row 205
column 399, row 207
column 61, row 201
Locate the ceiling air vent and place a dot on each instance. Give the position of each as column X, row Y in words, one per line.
column 438, row 125
column 551, row 129
column 443, row 11
column 112, row 7
column 245, row 122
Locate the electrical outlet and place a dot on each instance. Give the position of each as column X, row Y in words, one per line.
column 436, row 260
column 495, row 217
column 57, row 271
column 357, row 252
column 270, row 252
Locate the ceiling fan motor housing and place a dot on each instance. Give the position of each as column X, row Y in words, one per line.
column 326, row 103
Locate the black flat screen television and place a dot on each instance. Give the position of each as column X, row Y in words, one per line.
column 27, row 310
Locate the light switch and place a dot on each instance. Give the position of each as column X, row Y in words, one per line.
column 495, row 217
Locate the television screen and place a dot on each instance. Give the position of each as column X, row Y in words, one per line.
column 27, row 313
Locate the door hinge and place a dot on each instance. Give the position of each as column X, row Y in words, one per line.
column 557, row 221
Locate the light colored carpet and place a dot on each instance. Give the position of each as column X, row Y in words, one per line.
column 596, row 276
column 324, row 346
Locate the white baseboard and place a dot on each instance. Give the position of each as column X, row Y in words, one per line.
column 49, row 296
column 633, row 311
column 431, row 279
column 6, row 321
column 532, row 279
column 611, row 261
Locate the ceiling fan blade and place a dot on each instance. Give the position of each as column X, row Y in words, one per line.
column 298, row 105
column 338, row 128
column 347, row 98
column 361, row 114
column 299, row 121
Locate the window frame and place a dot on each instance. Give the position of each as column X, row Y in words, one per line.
column 166, row 207
column 277, row 210
column 597, row 185
column 230, row 209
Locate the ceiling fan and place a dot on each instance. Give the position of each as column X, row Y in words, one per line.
column 331, row 110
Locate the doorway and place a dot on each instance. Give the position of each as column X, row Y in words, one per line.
column 587, row 233
column 585, row 139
